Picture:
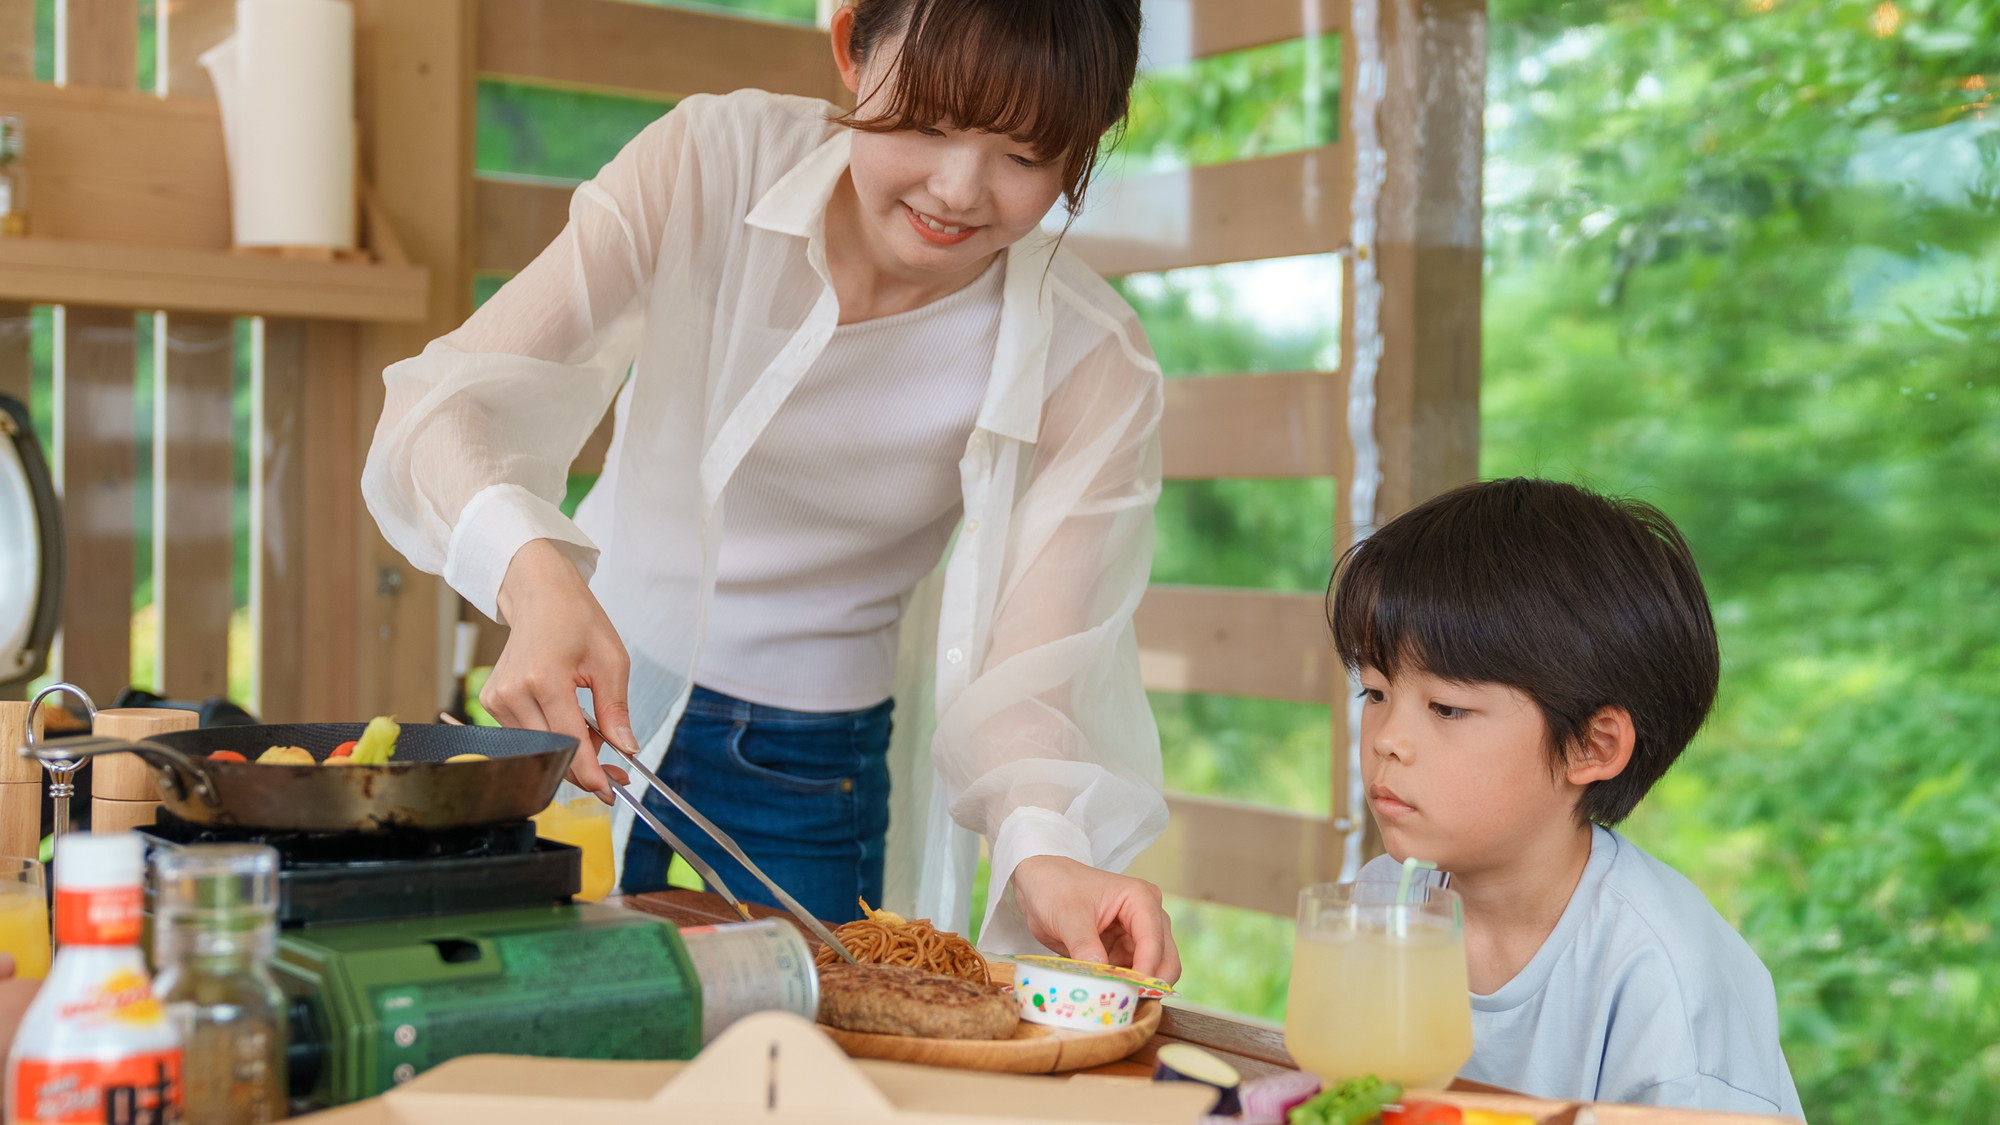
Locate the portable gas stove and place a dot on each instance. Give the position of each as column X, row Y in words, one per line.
column 403, row 949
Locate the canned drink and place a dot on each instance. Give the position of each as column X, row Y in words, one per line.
column 748, row 967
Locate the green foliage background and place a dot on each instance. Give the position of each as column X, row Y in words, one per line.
column 1743, row 262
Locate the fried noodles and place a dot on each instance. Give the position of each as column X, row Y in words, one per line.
column 885, row 938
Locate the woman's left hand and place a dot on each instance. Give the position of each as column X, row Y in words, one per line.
column 1093, row 915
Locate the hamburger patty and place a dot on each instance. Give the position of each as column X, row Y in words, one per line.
column 898, row 1000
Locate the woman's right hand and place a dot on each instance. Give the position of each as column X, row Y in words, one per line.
column 559, row 640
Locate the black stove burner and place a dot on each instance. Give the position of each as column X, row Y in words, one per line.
column 417, row 873
column 307, row 849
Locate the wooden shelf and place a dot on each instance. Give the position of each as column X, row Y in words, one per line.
column 61, row 271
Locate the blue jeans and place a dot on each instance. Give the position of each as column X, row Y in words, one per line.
column 805, row 793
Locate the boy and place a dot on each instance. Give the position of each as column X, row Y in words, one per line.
column 1532, row 657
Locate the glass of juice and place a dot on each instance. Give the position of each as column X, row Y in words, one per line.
column 583, row 822
column 1379, row 985
column 24, row 916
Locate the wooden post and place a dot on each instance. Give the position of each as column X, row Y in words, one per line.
column 20, row 785
column 193, row 494
column 193, row 451
column 1427, row 393
column 17, row 373
column 17, row 60
column 1428, row 253
column 415, row 101
column 277, row 500
column 305, row 594
column 97, row 459
column 96, row 464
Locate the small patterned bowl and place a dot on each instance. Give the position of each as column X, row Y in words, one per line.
column 1082, row 995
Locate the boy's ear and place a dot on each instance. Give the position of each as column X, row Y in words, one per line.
column 1605, row 749
column 842, row 27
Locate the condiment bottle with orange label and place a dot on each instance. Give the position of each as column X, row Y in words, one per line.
column 96, row 1047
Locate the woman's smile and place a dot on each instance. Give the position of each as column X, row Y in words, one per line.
column 936, row 232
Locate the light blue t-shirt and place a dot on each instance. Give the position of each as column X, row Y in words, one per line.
column 1642, row 993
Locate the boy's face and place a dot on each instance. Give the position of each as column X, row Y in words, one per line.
column 1458, row 774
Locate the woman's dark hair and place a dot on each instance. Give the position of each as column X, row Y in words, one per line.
column 1578, row 600
column 1055, row 75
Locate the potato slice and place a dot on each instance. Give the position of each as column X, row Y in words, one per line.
column 286, row 756
column 468, row 758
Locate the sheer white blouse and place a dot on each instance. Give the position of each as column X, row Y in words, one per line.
column 695, row 261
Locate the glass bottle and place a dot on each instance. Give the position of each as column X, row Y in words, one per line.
column 215, row 932
column 13, row 179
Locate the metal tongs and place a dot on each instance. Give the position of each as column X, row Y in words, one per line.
column 701, row 867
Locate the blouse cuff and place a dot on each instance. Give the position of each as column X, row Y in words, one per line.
column 497, row 522
column 1028, row 832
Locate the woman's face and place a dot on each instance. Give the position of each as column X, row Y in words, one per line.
column 942, row 199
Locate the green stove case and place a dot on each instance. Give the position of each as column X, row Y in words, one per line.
column 389, row 1000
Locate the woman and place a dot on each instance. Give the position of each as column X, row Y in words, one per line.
column 851, row 347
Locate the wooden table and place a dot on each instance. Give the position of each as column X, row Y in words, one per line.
column 1253, row 1049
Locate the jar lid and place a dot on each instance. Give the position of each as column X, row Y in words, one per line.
column 1151, row 988
column 86, row 860
column 220, row 880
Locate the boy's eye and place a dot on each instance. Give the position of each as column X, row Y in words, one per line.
column 1371, row 695
column 1447, row 711
column 929, row 131
column 1024, row 161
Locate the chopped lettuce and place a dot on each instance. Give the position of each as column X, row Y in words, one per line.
column 1350, row 1101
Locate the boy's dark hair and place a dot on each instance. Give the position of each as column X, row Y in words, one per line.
column 1055, row 75
column 1580, row 601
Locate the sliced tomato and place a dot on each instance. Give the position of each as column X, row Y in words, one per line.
column 1423, row 1113
column 343, row 750
column 227, row 756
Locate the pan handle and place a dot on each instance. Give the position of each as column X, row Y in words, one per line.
column 180, row 774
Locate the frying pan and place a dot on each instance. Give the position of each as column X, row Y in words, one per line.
column 416, row 789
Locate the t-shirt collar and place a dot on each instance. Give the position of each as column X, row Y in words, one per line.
column 1582, row 901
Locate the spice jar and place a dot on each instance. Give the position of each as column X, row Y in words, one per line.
column 215, row 932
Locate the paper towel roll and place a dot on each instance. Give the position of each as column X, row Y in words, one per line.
column 285, row 81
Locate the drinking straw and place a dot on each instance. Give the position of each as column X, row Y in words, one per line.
column 1411, row 866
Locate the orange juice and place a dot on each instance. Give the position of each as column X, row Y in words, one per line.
column 584, row 822
column 24, row 928
column 1367, row 1001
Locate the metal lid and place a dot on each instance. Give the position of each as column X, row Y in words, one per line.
column 216, row 882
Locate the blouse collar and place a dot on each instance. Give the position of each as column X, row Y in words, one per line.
column 796, row 205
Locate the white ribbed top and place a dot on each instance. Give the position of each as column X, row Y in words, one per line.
column 845, row 502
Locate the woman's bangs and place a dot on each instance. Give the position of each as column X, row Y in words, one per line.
column 1003, row 70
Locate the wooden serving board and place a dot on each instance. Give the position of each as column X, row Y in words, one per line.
column 1034, row 1049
